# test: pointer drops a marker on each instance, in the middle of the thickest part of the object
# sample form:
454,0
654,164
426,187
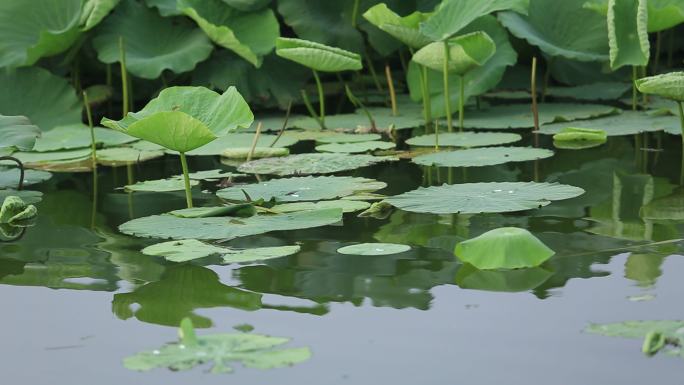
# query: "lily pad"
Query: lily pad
17,133
171,227
256,153
474,198
347,206
307,164
520,115
306,188
121,156
355,148
160,185
485,156
347,138
503,248
259,254
9,178
152,43
374,249
626,123
240,140
191,249
235,210
31,158
212,175
464,139
358,121
78,136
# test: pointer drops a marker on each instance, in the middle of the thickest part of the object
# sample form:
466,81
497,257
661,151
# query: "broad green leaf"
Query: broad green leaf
306,188
485,156
308,164
45,99
212,175
627,33
171,227
152,43
347,206
251,35
121,156
94,11
317,56
406,29
669,85
466,52
475,198
333,137
561,28
78,136
242,153
464,139
160,185
30,30
9,177
454,15
17,133
520,115
662,14
233,210
374,249
174,130
504,248
356,147
53,156
190,249
625,123
259,254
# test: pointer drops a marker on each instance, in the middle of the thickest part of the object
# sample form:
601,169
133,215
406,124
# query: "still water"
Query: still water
79,298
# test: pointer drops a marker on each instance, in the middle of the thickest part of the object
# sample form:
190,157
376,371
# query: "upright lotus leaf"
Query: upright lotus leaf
561,28
318,57
669,85
454,15
627,33
662,14
406,29
30,30
503,248
152,43
466,52
45,99
94,11
251,35
15,210
17,133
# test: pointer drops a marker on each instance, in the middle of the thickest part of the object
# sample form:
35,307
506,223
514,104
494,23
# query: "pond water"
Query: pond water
78,298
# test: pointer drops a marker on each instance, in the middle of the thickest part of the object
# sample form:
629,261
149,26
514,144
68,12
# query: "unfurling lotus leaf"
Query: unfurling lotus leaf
466,52
627,33
405,29
576,137
653,343
15,210
670,85
503,248
316,56
185,118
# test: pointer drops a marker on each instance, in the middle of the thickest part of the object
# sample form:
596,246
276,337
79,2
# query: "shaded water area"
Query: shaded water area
78,296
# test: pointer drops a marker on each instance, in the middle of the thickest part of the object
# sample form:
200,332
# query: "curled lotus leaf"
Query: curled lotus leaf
316,56
669,85
627,33
15,210
406,29
465,53
504,248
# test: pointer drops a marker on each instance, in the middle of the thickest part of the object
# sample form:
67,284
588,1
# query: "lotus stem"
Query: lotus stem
390,85
445,79
355,12
309,106
374,74
437,135
461,104
93,147
535,109
656,62
124,76
634,90
681,123
427,101
402,60
321,99
254,142
186,179
284,127
643,95
20,185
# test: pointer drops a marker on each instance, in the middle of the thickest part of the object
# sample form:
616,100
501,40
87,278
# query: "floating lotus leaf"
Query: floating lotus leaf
234,210
627,33
259,254
466,52
464,139
160,185
171,227
186,118
32,158
17,133
669,85
508,281
190,249
593,91
252,350
249,34
9,178
27,196
121,156
316,56
45,99
308,164
454,15
405,29
485,156
240,141
520,115
578,138
355,148
474,198
564,28
307,188
255,153
626,123
15,210
347,206
503,248
35,29
374,249
347,138
78,136
152,43
358,121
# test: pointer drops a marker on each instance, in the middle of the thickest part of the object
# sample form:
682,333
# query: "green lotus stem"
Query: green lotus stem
355,12
681,124
93,147
374,74
254,142
437,135
461,104
643,95
321,99
358,104
284,127
390,85
445,78
634,90
535,109
309,106
186,179
427,101
656,62
124,76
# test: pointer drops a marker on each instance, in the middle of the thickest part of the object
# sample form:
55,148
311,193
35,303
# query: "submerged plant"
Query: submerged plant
185,118
320,58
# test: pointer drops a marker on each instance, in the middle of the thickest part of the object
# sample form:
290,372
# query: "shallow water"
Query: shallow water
78,298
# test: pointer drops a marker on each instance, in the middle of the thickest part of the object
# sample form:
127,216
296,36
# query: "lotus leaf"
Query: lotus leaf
669,85
249,34
240,141
657,335
9,178
152,44
307,188
520,115
626,123
31,158
374,249
77,136
172,227
190,249
212,175
405,29
503,248
509,281
347,138
571,135
485,156
120,156
247,5
668,209
594,91
15,210
245,153
466,52
355,148
259,254
474,198
235,210
160,185
27,196
627,33
17,133
307,164
358,121
316,56
464,139
94,11
662,14
347,206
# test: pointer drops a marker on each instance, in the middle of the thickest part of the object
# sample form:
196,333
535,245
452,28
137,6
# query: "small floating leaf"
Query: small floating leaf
485,156
347,138
356,147
503,248
160,185
464,139
307,164
520,115
374,249
347,206
183,250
